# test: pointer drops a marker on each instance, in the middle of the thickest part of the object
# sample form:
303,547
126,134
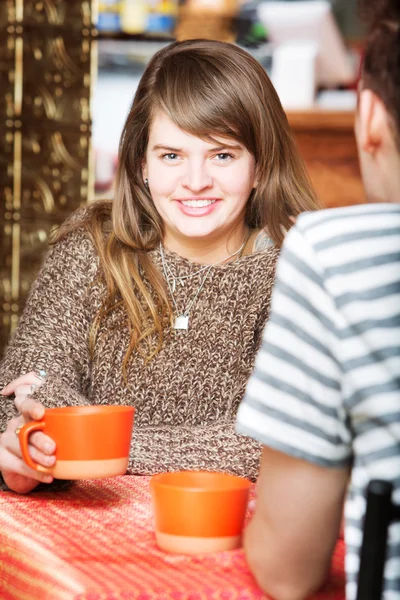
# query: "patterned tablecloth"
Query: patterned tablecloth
95,541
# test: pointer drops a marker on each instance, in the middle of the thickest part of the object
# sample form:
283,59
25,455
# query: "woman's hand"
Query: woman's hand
16,473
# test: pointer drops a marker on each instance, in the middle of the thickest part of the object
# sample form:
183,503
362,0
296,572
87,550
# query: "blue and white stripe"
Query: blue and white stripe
326,385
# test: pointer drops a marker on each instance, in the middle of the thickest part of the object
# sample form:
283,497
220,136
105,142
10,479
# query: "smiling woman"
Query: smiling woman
157,299
198,178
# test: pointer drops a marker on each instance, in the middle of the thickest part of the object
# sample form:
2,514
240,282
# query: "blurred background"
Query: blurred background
68,73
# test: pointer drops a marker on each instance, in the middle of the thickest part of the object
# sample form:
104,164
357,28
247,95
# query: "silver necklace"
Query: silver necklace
182,319
181,278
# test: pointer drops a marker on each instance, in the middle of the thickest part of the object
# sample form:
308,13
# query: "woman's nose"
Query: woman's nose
197,178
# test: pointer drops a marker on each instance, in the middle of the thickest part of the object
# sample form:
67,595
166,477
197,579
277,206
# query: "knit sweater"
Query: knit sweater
187,396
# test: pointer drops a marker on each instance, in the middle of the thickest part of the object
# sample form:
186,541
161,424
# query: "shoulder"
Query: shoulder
251,274
83,232
258,269
263,248
264,255
73,249
69,269
335,236
87,217
338,225
255,272
262,241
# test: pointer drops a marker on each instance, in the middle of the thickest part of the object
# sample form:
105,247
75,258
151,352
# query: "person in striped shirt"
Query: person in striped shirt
324,397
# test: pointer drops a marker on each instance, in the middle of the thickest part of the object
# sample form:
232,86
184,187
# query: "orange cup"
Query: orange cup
91,441
199,511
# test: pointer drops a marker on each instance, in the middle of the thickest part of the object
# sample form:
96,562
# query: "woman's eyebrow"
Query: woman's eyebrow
226,147
177,150
169,148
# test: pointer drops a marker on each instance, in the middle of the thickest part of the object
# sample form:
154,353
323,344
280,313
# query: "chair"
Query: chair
380,512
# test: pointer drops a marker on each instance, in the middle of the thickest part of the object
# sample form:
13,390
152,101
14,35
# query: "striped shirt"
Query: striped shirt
326,384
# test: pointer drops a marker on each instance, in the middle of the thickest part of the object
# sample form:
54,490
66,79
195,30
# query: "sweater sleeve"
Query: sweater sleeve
208,447
53,330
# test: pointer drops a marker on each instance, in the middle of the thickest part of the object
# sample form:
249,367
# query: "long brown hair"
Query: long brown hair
207,88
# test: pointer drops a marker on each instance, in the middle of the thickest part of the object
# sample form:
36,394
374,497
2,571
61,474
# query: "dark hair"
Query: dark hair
381,68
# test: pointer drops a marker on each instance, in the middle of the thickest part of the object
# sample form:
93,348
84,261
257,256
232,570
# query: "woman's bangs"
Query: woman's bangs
197,106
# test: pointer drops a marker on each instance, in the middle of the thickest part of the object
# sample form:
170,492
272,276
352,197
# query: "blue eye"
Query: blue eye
170,155
223,156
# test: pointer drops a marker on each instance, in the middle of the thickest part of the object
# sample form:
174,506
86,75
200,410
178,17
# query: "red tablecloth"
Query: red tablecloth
95,541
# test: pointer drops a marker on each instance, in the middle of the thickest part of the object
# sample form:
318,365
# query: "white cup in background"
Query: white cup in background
293,74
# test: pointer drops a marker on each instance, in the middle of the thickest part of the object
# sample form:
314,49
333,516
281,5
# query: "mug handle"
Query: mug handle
23,436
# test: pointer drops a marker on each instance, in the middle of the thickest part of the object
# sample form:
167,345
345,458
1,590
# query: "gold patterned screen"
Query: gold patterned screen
47,65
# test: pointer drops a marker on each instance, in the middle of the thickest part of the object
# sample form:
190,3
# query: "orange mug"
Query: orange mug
199,511
91,441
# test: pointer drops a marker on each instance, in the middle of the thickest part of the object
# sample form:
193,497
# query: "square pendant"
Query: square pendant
181,322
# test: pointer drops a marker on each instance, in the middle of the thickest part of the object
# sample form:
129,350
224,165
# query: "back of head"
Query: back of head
381,69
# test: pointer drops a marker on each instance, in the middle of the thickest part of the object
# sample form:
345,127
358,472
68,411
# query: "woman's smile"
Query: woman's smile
197,207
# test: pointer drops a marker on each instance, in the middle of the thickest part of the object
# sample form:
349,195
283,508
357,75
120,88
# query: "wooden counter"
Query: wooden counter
327,144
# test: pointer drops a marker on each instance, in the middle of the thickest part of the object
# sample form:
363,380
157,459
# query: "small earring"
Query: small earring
146,183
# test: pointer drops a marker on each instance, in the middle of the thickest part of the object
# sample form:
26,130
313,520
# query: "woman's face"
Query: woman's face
199,188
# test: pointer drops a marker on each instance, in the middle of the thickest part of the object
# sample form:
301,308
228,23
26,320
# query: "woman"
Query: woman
159,298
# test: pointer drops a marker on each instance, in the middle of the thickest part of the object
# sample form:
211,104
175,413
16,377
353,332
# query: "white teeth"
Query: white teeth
197,203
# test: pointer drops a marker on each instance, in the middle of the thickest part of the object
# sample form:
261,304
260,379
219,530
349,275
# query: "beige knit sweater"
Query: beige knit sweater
186,398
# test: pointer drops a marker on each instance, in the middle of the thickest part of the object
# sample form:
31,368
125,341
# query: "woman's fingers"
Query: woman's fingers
20,483
41,458
22,388
29,408
38,439
27,379
11,464
12,457
41,447
12,426
43,443
26,390
21,392
45,460
11,461
17,474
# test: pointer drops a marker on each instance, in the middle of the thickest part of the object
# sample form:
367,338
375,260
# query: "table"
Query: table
95,541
